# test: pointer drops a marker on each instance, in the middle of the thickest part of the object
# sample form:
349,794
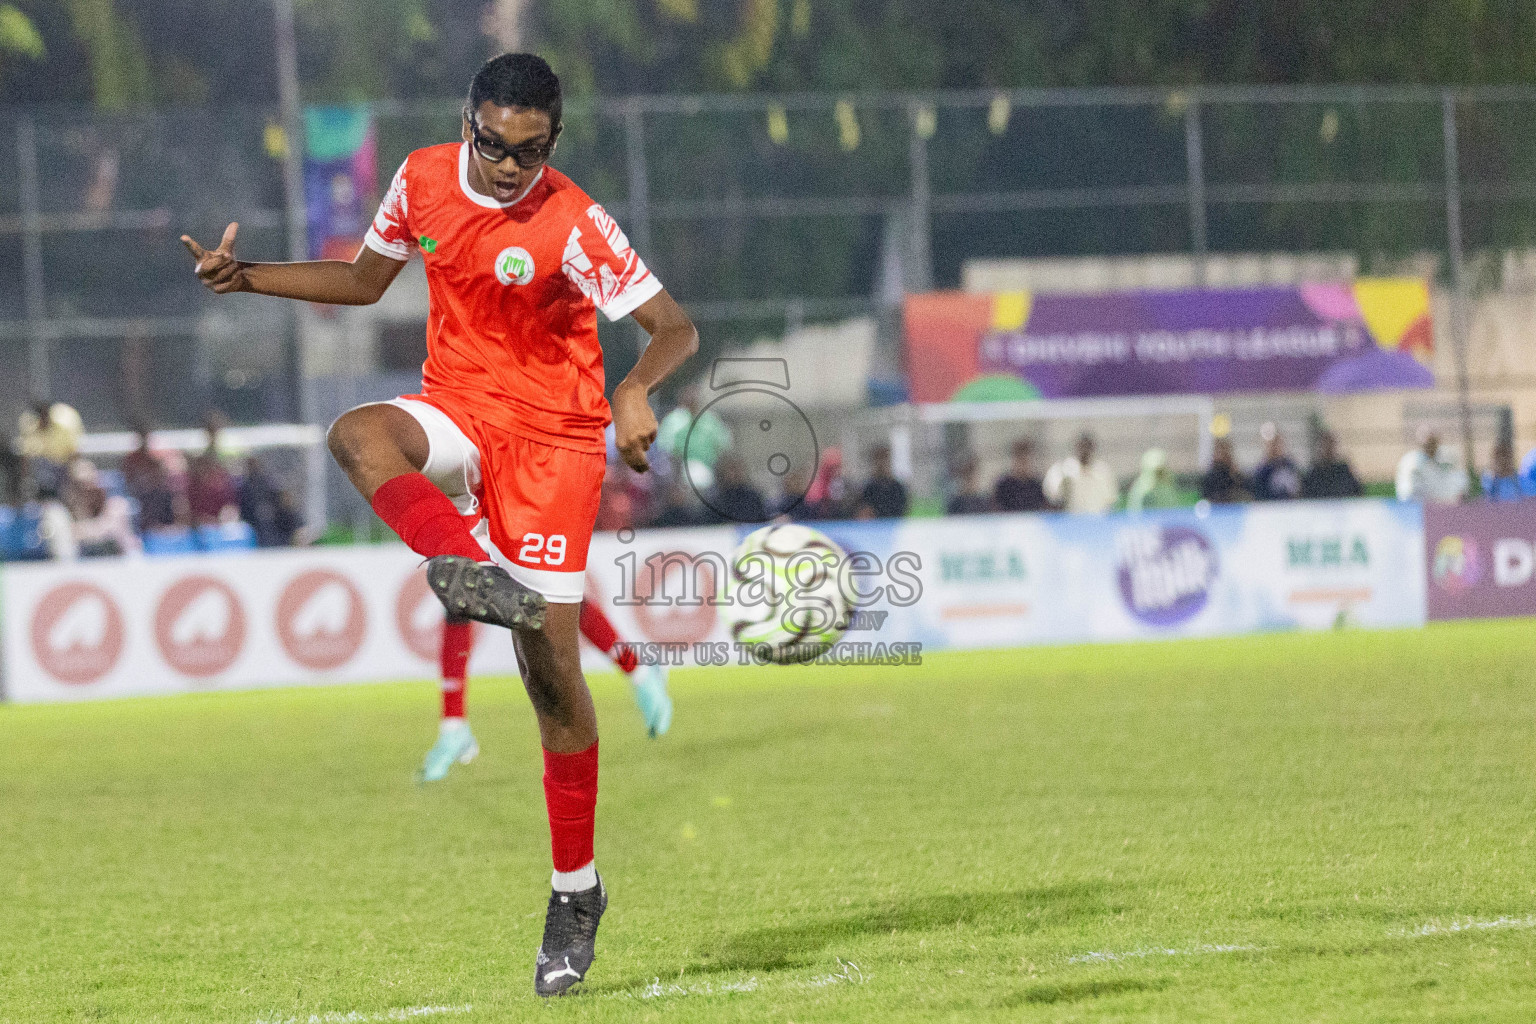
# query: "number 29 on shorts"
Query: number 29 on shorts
552,548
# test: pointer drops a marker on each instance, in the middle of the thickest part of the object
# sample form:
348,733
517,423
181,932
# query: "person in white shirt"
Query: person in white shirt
1082,484
1423,476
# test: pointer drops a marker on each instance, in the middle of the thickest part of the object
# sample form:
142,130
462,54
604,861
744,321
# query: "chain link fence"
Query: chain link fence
757,211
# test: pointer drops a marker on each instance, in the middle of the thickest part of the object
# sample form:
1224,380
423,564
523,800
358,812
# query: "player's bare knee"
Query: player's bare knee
345,440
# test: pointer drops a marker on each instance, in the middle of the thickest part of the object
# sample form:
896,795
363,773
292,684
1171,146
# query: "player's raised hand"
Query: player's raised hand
218,269
634,426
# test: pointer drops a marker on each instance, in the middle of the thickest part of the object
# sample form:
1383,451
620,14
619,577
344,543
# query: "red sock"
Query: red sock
570,794
458,641
424,518
597,629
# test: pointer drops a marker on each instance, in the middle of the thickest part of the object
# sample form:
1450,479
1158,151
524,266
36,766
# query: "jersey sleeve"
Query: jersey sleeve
600,263
390,233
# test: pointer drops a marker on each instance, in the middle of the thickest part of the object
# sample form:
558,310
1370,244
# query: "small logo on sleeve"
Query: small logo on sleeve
514,266
427,244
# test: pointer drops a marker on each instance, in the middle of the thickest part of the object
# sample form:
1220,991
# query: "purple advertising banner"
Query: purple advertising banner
1336,338
1481,559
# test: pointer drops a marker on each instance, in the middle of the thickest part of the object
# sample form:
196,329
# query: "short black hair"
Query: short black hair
517,80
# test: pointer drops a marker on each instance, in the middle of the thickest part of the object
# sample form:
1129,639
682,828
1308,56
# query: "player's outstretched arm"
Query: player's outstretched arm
673,340
359,283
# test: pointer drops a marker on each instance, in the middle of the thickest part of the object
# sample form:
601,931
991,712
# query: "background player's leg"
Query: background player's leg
458,643
648,682
455,740
382,449
599,632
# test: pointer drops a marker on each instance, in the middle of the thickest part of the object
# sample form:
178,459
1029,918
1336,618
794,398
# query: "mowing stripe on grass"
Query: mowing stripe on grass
356,1017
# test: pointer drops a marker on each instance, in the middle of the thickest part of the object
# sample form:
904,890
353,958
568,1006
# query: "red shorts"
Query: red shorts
535,503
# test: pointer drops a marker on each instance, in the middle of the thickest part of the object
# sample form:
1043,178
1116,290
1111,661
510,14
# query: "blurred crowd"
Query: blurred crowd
713,485
56,503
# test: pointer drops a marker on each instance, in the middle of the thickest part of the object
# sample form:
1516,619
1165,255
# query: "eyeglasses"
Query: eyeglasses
528,156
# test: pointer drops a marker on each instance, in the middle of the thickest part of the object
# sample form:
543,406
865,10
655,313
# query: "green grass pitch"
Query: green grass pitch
1323,827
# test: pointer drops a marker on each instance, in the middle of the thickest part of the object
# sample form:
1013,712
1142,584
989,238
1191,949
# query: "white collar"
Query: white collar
488,201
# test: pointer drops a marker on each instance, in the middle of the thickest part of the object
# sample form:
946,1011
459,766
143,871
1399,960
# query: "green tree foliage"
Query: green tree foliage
356,49
18,36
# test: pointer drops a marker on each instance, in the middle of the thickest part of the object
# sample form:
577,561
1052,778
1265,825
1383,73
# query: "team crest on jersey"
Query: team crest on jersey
514,266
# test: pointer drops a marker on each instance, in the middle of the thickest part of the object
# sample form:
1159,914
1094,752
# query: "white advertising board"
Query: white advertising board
120,627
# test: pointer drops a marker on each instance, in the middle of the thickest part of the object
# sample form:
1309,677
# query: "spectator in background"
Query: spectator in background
1277,478
1502,481
1154,488
1020,489
1223,483
1423,476
100,524
48,438
268,509
1083,483
678,507
703,434
965,498
1528,472
211,494
791,502
734,499
616,506
13,471
883,496
1329,476
148,482
828,496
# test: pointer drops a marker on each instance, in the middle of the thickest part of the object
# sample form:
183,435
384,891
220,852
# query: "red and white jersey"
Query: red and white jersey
513,294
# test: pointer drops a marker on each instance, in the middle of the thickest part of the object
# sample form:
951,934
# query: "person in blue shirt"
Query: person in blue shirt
1528,473
1503,481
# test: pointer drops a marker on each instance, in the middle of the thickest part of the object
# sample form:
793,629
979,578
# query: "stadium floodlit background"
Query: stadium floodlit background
1278,777
768,212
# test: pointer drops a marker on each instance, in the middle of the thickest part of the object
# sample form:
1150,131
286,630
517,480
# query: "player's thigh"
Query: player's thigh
439,450
540,504
376,437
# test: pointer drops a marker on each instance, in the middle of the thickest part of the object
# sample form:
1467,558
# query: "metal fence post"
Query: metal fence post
919,269
292,113
1454,241
32,258
639,205
1194,160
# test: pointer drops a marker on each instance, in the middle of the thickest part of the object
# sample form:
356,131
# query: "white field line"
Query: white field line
848,973
1468,925
358,1017
1422,931
1138,954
